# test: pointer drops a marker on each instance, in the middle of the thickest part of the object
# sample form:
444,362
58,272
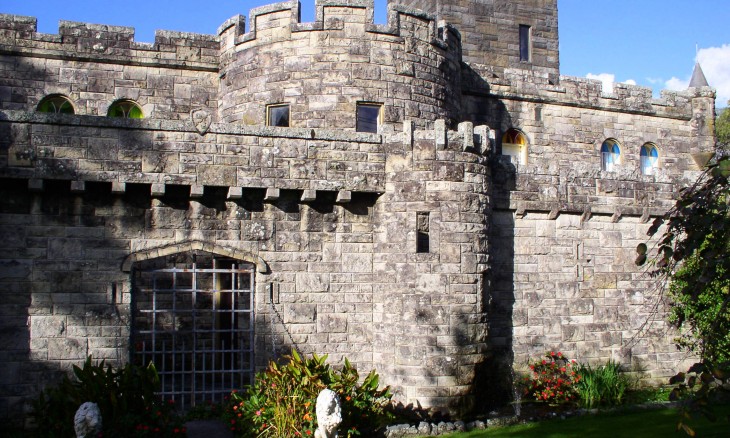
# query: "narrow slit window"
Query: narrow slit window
368,117
423,244
525,43
277,115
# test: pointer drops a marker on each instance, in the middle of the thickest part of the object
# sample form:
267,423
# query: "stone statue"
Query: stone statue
87,421
329,414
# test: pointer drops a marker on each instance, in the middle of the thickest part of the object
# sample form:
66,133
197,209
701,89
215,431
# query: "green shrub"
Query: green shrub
281,402
605,385
126,399
553,379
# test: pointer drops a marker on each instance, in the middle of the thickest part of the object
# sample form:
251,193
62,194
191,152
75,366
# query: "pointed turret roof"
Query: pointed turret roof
698,78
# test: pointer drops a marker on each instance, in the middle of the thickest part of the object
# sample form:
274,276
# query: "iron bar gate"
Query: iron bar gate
193,318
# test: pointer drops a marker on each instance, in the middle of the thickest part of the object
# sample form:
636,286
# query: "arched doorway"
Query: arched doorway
193,317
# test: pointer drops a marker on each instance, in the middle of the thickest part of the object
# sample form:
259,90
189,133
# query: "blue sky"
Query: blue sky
648,42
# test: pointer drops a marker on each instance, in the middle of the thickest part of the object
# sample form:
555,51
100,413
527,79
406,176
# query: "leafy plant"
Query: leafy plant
553,379
693,255
126,399
605,385
281,402
698,388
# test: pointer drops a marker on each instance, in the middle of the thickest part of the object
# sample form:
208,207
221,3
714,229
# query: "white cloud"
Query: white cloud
676,84
607,78
715,63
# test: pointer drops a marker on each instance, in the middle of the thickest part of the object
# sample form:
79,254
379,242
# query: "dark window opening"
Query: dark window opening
423,244
277,115
525,43
368,117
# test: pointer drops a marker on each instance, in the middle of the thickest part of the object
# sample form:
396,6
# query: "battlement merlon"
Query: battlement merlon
234,30
105,43
527,85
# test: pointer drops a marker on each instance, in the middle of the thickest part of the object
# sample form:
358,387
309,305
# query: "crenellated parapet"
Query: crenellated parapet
104,43
535,86
323,69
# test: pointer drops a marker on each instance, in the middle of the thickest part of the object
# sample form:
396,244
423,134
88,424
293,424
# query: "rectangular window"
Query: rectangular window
423,244
277,115
369,116
525,43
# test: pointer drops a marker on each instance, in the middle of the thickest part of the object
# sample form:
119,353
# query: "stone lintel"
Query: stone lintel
197,191
344,196
272,194
78,186
235,192
158,189
309,196
35,185
119,187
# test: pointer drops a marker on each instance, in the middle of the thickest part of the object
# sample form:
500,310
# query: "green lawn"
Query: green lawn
643,424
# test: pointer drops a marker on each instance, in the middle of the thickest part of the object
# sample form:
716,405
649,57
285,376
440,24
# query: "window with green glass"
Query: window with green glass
125,109
56,104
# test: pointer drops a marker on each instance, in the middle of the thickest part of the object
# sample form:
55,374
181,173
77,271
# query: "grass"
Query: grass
645,424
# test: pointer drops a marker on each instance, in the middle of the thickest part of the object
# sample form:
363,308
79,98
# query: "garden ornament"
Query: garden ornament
329,414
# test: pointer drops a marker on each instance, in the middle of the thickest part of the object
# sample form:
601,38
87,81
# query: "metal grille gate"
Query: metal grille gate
193,317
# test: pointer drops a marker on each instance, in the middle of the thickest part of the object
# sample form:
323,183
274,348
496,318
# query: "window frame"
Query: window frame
649,162
51,99
525,43
126,112
520,147
273,106
610,154
378,120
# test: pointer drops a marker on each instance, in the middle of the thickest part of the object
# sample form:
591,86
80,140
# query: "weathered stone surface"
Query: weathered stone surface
515,258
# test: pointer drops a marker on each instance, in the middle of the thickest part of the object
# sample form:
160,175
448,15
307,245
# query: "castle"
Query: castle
428,198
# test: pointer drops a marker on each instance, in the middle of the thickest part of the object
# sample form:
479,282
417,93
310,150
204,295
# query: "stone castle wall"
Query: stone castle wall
322,69
521,259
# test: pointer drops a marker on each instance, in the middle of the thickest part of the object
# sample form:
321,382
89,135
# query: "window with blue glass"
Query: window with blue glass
649,158
610,154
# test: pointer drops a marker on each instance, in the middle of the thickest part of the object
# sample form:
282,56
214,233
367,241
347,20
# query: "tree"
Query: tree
722,127
693,256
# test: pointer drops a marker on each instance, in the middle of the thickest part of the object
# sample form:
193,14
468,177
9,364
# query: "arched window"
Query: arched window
56,104
649,158
514,145
610,154
126,109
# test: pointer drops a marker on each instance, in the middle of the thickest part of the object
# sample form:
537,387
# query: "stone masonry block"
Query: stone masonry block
300,313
